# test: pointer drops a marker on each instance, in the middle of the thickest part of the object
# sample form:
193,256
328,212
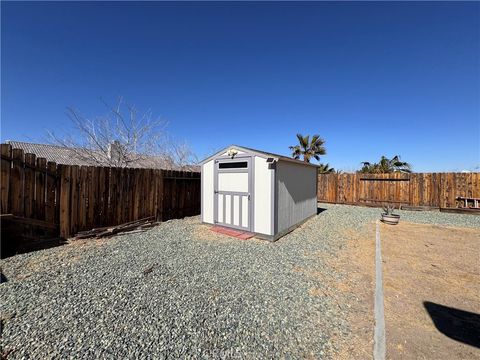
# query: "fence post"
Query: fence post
6,151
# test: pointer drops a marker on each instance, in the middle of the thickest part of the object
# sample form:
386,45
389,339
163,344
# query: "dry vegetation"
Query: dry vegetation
434,264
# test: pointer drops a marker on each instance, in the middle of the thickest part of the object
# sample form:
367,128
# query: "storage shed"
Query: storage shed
257,191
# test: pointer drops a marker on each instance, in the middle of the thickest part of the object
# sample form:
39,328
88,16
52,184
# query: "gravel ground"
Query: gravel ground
182,291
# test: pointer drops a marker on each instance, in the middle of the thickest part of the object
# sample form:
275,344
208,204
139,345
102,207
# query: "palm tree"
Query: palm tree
308,148
386,165
325,169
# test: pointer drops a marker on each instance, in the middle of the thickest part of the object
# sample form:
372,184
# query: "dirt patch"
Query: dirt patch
352,292
431,275
357,290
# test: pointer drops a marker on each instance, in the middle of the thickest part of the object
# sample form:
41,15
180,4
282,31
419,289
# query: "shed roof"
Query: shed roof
261,153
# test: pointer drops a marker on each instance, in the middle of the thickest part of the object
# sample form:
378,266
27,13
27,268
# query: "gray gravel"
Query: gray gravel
433,217
179,290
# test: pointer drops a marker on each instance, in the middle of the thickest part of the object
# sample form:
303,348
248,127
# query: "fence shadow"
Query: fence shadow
19,236
21,246
459,325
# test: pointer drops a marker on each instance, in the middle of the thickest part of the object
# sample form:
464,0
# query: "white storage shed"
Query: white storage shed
257,191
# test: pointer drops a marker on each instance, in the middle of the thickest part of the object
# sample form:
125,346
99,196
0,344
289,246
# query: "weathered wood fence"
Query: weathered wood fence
417,189
76,198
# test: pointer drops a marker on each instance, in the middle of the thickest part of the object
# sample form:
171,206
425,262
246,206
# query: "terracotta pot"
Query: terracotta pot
391,219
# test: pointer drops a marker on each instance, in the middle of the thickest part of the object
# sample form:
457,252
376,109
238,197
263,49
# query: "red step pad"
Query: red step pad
243,235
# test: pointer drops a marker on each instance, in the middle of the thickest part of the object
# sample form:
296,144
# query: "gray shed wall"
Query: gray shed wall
296,187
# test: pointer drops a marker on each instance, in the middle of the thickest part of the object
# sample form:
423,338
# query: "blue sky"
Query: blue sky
371,78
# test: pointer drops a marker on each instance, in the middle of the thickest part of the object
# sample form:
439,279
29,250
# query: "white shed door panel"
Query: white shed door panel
236,182
245,210
221,199
232,196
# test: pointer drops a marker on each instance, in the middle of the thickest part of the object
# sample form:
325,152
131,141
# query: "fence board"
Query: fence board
82,197
29,189
6,164
40,177
90,219
161,194
51,192
64,200
16,183
418,189
74,195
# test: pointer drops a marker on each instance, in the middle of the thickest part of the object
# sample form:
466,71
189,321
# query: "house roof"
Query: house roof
68,156
260,153
57,154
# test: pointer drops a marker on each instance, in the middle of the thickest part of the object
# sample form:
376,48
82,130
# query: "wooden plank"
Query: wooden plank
57,196
82,198
51,188
151,193
181,195
132,194
29,189
144,173
136,195
476,185
74,196
461,211
124,196
113,196
160,195
469,185
91,180
167,201
100,198
64,171
121,179
16,183
106,196
174,192
40,188
5,167
96,197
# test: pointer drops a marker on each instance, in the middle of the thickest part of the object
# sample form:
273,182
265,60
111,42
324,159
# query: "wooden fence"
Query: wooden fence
76,198
418,189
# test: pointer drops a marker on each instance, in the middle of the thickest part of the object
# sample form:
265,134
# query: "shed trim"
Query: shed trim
262,154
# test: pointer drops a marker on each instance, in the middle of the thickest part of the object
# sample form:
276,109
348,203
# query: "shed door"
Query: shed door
232,193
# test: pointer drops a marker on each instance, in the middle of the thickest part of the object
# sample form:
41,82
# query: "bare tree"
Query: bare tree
123,137
181,154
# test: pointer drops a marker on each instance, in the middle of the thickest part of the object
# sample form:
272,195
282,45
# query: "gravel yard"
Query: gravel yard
180,290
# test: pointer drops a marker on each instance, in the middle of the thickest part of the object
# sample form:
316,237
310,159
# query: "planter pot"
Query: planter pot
391,219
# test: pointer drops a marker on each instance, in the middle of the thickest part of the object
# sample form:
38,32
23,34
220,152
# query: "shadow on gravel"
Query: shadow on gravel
21,245
459,325
320,210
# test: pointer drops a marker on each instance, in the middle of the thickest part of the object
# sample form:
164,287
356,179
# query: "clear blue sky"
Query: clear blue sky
371,78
